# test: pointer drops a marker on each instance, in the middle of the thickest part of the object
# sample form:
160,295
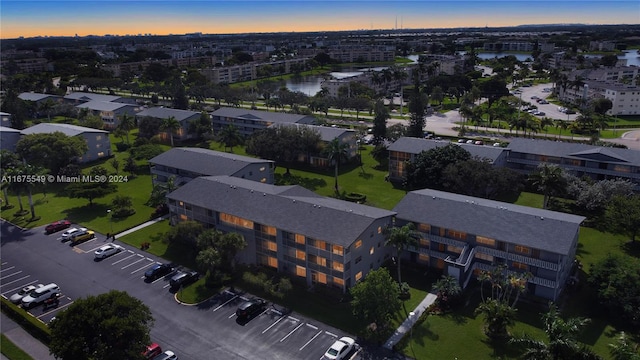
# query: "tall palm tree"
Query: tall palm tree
562,342
31,170
230,137
401,238
47,106
550,180
127,122
336,151
544,122
170,125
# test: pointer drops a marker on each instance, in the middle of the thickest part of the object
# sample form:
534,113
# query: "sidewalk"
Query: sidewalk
24,340
410,321
143,225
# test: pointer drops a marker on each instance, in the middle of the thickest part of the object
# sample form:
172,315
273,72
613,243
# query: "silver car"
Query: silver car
17,297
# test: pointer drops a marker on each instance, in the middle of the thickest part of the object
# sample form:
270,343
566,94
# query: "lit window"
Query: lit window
269,230
322,278
423,257
263,180
235,220
379,229
484,256
485,241
262,168
372,250
100,154
301,271
425,228
424,242
522,249
358,243
301,255
338,266
338,250
183,217
338,281
359,276
320,244
181,203
273,262
300,239
270,245
519,265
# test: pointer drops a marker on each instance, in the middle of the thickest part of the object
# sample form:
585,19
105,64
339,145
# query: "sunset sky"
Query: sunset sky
29,18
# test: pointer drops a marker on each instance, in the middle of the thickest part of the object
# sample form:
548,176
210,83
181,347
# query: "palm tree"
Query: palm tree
336,151
447,289
47,106
550,180
401,238
230,137
562,342
36,171
170,125
624,349
127,122
563,125
498,317
544,122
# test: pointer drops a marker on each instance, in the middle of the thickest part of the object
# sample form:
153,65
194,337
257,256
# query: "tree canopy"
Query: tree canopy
376,298
52,151
108,326
427,168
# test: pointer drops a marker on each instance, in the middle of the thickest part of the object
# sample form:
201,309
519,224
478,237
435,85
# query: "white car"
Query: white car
340,349
17,297
67,235
108,250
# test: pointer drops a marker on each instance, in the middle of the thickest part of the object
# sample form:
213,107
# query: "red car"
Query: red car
151,350
57,226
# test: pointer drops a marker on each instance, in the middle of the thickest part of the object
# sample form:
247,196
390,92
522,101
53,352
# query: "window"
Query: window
425,228
301,255
454,249
522,249
320,244
338,250
300,239
358,243
338,266
423,257
270,245
519,265
301,271
484,256
372,250
358,259
424,242
359,276
456,235
269,230
237,221
485,241
338,281
379,229
322,278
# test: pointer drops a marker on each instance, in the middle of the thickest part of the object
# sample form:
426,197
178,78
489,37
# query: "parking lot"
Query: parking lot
203,331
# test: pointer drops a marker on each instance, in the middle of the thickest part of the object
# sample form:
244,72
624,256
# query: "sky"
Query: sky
28,18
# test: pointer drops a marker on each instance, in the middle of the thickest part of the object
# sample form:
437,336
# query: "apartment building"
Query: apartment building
39,98
328,134
249,121
81,97
184,117
185,164
625,99
110,112
406,149
97,140
463,235
289,228
9,137
596,162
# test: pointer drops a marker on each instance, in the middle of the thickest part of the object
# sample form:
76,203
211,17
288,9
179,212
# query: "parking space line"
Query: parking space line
132,255
144,267
309,342
232,315
225,303
294,319
166,286
331,334
133,263
156,280
312,326
9,268
272,325
20,287
4,263
291,332
54,310
95,248
16,273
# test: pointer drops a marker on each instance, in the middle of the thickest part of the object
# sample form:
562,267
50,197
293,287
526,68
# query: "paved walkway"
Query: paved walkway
410,321
143,225
24,340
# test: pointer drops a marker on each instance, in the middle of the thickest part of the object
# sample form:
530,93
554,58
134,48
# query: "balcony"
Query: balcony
519,258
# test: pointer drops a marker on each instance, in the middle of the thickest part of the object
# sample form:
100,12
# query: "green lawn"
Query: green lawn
11,351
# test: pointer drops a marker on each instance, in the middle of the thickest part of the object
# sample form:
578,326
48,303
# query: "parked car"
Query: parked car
167,355
340,349
82,236
17,297
569,111
469,141
57,226
251,307
69,233
157,271
107,250
479,142
183,278
152,350
461,141
39,295
539,113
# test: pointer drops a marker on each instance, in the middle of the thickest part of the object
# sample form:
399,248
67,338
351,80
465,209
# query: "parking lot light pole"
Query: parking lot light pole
110,220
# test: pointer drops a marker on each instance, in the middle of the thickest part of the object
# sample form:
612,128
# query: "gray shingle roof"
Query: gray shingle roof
575,151
67,129
416,146
205,161
290,208
9,130
536,228
327,133
86,96
103,105
30,96
165,113
266,116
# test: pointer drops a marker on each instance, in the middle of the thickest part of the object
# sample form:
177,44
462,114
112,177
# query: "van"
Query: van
40,295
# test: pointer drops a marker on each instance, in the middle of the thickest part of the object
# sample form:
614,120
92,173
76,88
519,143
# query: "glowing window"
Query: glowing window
359,276
358,243
301,255
301,271
338,281
372,250
338,266
337,249
300,239
519,265
522,249
485,241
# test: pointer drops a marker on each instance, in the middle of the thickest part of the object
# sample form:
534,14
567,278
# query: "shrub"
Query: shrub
122,147
355,197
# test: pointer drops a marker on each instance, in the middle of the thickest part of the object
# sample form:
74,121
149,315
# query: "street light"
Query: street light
411,316
110,220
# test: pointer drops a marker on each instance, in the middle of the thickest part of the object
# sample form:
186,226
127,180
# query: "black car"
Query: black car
250,308
183,278
157,271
